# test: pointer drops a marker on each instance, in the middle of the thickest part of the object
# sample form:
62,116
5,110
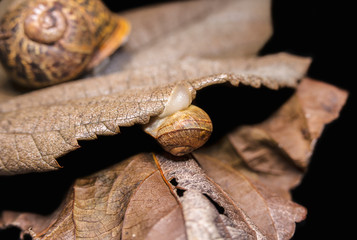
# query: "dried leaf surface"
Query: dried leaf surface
214,194
136,199
273,71
293,130
34,132
270,211
198,28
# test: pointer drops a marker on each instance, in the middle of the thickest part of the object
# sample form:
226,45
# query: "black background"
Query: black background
318,29
322,30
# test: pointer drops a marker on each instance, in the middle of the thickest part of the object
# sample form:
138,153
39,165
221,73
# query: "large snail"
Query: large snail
181,128
44,42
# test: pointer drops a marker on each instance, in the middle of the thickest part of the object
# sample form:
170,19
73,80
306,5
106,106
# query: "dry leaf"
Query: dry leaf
201,29
136,199
218,194
34,132
293,130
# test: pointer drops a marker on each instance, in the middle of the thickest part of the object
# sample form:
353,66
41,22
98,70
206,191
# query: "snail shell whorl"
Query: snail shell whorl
183,131
45,25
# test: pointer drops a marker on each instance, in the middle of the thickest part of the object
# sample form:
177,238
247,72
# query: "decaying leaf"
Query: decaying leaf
135,199
34,132
215,194
294,128
207,29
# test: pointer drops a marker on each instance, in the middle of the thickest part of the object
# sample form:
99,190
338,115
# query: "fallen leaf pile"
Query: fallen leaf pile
236,187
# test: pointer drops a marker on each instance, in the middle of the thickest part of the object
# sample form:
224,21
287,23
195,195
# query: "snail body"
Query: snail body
183,131
44,42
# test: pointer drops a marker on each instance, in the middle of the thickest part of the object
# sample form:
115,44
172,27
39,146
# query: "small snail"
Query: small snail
44,42
181,127
183,131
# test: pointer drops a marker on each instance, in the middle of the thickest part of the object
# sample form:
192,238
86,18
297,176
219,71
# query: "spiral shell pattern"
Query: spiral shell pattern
45,25
181,132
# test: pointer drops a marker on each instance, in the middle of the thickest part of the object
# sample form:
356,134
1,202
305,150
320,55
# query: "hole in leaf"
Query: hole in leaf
174,182
180,192
219,208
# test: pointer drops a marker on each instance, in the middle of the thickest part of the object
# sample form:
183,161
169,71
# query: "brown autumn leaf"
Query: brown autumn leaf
34,132
134,199
194,28
38,127
215,194
298,140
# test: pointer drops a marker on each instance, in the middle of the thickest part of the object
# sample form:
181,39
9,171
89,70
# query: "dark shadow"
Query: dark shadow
230,107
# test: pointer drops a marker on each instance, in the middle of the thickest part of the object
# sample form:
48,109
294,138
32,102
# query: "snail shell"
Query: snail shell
183,131
44,42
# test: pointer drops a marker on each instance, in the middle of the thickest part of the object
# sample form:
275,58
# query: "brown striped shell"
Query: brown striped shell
44,42
183,131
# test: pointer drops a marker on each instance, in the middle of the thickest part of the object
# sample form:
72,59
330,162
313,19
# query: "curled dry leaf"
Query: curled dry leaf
293,130
218,193
35,131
